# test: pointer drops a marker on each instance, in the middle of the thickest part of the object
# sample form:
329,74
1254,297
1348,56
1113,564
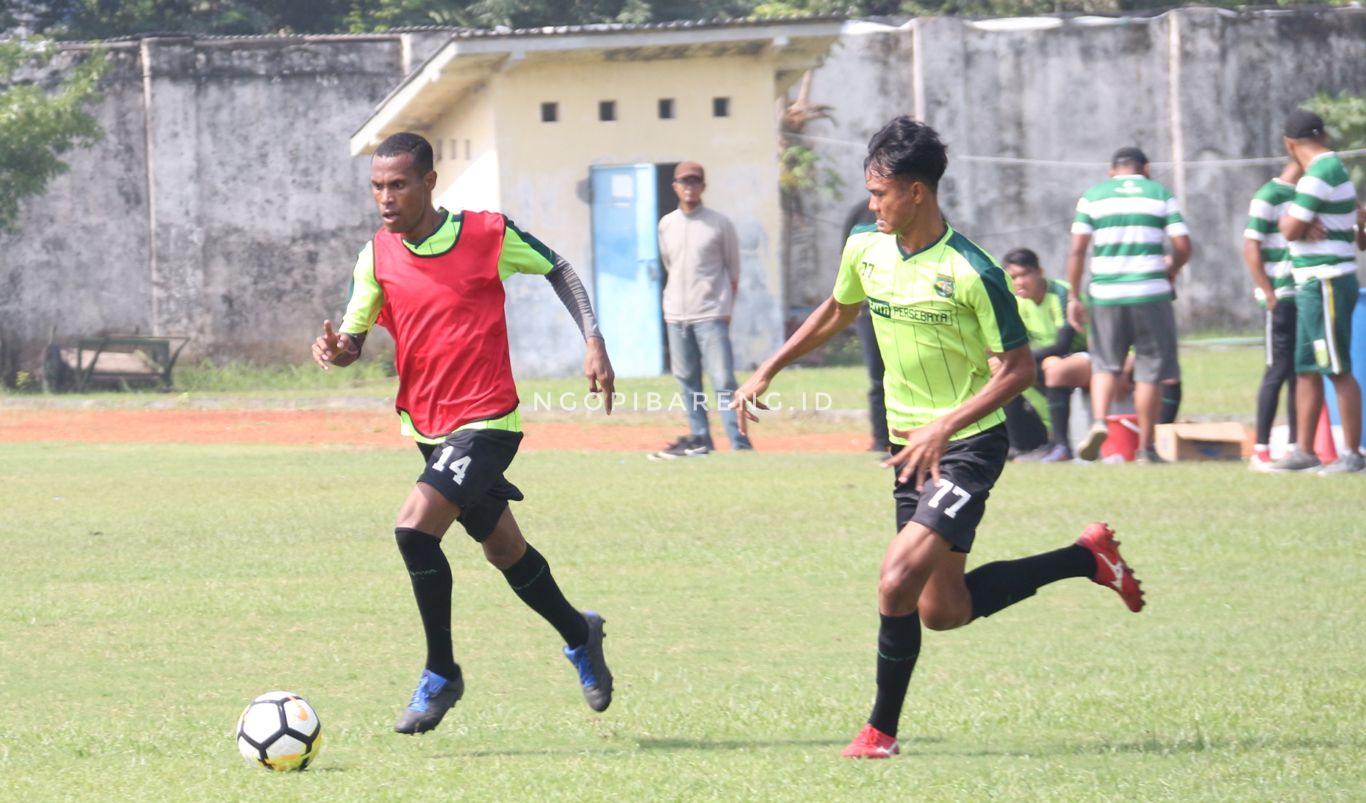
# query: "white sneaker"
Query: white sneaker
1348,463
1089,449
1296,460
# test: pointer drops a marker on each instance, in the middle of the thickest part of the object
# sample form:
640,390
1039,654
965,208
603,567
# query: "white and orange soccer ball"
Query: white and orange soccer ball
279,731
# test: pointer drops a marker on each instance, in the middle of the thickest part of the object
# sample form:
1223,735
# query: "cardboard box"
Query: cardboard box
1221,440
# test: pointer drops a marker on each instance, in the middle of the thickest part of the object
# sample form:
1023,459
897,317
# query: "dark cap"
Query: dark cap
1303,124
686,169
1129,154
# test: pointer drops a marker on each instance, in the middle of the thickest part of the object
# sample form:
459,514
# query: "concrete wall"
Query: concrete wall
1194,86
467,163
222,202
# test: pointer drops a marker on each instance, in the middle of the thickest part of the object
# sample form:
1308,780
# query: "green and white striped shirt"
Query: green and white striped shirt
1263,216
1325,192
1126,217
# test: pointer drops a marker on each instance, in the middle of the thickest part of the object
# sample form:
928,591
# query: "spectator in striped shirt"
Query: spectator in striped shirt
1268,261
1126,219
1326,288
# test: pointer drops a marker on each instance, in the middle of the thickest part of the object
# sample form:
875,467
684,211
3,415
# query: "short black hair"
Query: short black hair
907,149
1129,156
406,142
1023,257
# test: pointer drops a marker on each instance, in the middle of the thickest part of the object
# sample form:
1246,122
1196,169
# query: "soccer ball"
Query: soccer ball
279,731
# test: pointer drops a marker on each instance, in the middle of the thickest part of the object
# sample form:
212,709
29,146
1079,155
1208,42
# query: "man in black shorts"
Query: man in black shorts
941,309
434,279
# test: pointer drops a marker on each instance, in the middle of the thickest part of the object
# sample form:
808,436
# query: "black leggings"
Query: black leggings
1280,370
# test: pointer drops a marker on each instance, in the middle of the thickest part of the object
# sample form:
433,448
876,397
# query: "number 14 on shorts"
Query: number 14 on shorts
946,488
459,467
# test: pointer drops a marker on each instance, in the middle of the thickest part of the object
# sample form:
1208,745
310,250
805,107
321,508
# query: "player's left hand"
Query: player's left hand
1317,232
920,456
597,367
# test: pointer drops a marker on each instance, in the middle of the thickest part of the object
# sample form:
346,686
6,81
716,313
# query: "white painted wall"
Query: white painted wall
545,172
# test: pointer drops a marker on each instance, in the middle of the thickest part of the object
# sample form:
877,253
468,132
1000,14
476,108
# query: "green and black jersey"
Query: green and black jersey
936,313
1043,320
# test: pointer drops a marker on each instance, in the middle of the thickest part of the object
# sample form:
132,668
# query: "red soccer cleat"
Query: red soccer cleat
1111,570
871,743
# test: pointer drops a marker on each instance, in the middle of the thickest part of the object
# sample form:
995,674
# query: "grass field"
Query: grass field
151,591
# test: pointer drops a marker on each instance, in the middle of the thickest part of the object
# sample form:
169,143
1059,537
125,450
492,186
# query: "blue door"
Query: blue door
626,272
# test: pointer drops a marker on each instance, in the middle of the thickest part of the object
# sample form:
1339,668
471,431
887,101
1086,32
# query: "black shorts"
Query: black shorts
467,468
953,508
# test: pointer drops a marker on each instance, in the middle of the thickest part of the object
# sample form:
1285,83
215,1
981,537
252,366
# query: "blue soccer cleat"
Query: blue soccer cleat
594,676
433,697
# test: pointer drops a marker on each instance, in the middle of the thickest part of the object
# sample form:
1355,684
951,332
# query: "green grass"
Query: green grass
151,591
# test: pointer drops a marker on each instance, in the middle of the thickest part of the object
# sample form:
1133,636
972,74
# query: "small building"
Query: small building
574,132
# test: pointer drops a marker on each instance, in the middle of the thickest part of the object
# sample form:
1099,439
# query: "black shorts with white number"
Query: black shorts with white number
953,508
467,468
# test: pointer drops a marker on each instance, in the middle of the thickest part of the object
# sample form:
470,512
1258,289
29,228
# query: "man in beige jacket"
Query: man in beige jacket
701,257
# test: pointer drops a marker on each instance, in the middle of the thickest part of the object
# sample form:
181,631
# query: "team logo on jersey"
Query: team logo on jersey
943,286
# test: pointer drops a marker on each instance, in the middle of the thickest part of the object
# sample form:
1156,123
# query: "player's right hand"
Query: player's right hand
1076,314
919,459
327,347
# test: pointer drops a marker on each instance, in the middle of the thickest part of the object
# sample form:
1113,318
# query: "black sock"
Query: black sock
999,585
898,647
530,578
1171,402
431,576
1059,413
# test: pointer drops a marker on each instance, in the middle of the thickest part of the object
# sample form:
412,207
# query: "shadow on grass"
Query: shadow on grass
665,744
734,744
1160,747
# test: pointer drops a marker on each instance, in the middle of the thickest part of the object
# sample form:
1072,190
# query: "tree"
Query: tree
39,123
1345,117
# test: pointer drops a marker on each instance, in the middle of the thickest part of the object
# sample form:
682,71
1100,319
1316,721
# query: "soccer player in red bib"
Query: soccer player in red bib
434,279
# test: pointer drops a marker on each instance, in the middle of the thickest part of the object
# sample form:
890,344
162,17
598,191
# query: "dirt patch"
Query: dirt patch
364,428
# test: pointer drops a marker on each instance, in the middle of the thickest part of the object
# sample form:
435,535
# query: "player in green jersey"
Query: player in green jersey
1268,262
1059,351
1122,222
943,315
1325,291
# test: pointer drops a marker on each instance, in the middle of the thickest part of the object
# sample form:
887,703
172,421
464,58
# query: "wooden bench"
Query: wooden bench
124,360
